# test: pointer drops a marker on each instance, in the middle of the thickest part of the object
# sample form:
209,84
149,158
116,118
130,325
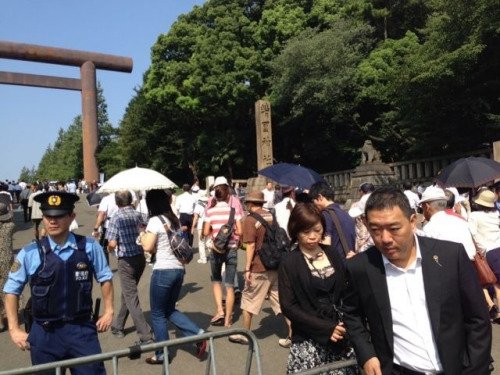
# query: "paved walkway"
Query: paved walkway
196,301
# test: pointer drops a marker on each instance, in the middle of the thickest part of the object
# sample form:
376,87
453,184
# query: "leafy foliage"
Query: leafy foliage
416,77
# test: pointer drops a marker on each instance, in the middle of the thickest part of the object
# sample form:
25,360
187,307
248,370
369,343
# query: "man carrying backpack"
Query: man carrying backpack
259,281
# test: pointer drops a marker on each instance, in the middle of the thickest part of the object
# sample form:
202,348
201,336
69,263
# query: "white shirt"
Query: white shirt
414,344
413,198
443,226
71,187
199,209
185,203
269,197
484,227
165,258
109,206
283,213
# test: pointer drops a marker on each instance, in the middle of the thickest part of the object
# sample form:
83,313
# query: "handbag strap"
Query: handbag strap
230,222
336,221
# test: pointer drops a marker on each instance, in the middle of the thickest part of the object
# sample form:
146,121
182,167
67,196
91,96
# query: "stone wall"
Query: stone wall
418,172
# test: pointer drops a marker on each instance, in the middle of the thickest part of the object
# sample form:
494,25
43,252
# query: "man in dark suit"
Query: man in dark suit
414,305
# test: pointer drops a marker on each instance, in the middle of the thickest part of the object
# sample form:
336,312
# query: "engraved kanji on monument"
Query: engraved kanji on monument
264,134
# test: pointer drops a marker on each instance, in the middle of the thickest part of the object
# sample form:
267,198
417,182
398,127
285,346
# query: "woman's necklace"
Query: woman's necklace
314,256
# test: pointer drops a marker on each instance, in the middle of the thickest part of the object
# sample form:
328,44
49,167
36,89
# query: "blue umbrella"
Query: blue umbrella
292,175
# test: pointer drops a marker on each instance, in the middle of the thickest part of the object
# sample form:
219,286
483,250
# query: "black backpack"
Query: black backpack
275,245
221,241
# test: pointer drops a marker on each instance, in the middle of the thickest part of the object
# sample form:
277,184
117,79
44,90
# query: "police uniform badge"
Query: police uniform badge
82,272
16,266
54,200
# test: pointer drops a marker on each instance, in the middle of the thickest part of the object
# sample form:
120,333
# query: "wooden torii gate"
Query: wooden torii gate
88,63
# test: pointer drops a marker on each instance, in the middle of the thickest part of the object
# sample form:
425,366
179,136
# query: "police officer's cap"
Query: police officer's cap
56,203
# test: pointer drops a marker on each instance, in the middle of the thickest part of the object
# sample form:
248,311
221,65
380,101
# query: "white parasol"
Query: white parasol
136,179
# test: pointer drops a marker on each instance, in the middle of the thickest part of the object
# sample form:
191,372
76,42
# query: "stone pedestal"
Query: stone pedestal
256,183
377,173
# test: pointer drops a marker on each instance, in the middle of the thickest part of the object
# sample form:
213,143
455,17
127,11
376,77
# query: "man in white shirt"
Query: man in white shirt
184,205
269,196
441,225
285,207
107,208
414,304
412,197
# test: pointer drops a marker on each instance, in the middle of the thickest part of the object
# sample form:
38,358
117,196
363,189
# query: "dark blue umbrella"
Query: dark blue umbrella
469,172
94,199
292,175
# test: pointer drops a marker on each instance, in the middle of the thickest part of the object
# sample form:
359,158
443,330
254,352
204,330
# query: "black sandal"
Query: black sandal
218,320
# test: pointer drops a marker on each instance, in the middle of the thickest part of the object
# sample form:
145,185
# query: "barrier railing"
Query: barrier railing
332,366
253,349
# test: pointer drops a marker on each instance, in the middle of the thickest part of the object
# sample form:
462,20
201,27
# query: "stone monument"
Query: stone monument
371,169
264,142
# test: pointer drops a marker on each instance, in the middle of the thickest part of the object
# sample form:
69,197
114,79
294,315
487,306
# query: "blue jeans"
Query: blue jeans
216,262
164,292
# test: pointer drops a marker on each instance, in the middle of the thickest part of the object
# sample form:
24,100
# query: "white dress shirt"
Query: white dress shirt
269,197
282,213
443,226
414,344
413,198
185,203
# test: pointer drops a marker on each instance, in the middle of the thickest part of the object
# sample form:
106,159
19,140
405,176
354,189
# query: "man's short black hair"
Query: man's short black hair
388,197
321,188
450,199
407,185
367,187
186,187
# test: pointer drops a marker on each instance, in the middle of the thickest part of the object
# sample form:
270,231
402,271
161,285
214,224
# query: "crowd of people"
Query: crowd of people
389,282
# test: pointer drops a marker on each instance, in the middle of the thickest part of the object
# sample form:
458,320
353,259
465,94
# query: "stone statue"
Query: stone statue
369,154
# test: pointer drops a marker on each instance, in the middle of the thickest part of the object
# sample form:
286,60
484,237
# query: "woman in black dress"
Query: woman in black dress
311,281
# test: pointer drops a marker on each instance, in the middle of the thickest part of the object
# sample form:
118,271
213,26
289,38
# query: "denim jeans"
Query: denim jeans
230,259
164,292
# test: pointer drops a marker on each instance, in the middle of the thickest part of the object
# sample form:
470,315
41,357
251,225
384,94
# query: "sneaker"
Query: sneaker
145,342
285,343
201,348
202,261
238,339
117,332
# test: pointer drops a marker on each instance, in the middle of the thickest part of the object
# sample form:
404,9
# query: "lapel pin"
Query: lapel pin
436,259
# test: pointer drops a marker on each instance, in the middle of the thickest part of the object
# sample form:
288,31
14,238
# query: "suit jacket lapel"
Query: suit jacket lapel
378,284
432,272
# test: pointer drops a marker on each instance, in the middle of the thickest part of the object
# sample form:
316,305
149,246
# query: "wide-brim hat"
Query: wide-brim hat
286,189
255,197
4,212
432,193
486,198
56,203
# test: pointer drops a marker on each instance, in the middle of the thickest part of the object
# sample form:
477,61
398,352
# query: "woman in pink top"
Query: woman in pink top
216,216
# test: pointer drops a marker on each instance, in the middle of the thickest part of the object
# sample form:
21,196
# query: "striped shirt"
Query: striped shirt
217,216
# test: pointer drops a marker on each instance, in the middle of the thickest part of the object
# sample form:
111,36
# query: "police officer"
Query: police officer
59,269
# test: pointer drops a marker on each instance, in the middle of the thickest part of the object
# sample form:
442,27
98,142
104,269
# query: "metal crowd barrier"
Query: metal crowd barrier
331,366
60,366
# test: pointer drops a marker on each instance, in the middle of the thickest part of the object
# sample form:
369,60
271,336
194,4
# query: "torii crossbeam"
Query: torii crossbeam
88,63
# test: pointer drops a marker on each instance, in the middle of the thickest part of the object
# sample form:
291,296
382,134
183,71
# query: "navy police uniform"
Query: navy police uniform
60,279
